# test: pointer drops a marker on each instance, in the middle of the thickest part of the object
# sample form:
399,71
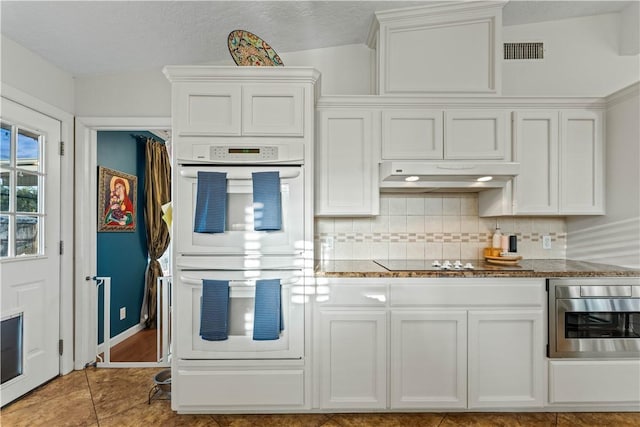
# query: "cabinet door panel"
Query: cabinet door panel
505,359
594,381
272,110
345,175
581,154
475,134
428,359
353,359
457,54
207,109
412,134
536,148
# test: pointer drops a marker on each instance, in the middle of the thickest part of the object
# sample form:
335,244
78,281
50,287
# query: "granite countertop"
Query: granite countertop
541,268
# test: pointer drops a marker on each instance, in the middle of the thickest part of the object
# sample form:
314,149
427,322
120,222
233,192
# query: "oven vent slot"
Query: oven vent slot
524,50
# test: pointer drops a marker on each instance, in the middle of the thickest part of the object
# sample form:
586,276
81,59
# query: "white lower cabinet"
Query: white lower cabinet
506,358
219,389
428,359
445,343
594,382
460,359
353,358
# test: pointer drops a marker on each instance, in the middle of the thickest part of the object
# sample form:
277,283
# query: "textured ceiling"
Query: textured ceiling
96,37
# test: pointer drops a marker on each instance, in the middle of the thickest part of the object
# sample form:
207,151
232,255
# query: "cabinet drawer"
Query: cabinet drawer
240,388
469,293
352,295
594,381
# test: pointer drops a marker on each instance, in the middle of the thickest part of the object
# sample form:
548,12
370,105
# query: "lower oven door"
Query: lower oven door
240,343
597,327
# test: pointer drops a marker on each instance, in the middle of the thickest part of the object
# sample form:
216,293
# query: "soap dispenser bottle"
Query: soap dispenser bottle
497,238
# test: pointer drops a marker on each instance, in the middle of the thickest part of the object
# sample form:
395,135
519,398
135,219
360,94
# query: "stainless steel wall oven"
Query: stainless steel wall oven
594,317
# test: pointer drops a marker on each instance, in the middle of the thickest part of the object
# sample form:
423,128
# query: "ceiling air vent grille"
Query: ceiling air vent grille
523,51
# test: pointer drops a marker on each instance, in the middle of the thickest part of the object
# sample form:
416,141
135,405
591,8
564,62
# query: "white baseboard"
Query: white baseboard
122,336
615,243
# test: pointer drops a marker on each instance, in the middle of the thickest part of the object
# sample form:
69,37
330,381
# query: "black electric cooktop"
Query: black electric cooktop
428,265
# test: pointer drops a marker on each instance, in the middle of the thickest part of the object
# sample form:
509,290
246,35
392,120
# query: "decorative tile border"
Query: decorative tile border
431,237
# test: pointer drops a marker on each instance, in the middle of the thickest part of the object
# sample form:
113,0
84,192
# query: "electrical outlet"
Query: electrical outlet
546,242
123,313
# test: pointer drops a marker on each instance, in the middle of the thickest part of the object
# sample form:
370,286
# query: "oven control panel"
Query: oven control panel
243,154
285,153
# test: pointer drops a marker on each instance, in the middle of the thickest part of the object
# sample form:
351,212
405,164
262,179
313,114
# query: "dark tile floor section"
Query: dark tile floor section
119,398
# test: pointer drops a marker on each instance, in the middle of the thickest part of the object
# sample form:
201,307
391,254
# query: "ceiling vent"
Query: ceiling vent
528,50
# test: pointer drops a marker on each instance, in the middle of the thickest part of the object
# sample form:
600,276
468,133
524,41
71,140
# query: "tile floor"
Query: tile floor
119,397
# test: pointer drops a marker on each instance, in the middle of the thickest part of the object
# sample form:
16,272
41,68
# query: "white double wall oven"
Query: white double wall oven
240,254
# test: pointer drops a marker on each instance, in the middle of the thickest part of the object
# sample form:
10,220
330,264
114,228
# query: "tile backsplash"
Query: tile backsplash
432,226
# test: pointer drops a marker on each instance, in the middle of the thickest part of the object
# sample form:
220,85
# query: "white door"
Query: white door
29,247
428,359
353,359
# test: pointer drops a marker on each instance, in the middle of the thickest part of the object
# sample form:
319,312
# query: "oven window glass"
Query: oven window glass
602,325
239,215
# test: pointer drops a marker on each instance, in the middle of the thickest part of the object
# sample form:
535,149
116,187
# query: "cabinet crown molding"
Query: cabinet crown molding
191,73
391,102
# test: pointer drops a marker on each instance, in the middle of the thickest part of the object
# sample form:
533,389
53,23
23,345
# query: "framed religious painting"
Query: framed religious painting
116,200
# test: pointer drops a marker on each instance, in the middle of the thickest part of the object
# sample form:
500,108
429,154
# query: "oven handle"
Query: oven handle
237,283
240,175
196,267
612,305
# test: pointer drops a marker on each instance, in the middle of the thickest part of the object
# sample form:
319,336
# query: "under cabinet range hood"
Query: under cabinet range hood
445,176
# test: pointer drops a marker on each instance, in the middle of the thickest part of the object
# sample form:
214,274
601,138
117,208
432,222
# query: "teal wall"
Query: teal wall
123,255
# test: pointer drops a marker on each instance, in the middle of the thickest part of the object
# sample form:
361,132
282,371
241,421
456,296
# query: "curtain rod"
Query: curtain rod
144,138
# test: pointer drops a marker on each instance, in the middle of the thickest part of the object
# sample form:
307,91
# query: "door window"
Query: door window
21,192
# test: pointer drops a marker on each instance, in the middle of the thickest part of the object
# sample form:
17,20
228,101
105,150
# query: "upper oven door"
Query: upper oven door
597,327
239,236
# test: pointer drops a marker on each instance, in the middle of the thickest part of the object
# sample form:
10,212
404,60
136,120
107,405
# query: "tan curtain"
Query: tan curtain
157,190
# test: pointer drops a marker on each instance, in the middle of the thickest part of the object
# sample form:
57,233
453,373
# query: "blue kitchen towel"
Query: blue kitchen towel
267,316
214,310
267,204
211,202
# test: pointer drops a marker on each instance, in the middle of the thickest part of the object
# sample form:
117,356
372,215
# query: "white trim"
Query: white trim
189,73
454,101
66,362
86,228
623,94
122,336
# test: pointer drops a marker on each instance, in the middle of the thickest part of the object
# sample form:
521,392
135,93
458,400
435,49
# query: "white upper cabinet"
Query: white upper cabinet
442,48
452,134
412,134
561,166
215,101
475,134
207,109
346,163
581,162
272,110
536,148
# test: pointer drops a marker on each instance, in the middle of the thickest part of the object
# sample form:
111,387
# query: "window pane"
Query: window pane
4,191
4,235
27,152
27,192
26,235
5,145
